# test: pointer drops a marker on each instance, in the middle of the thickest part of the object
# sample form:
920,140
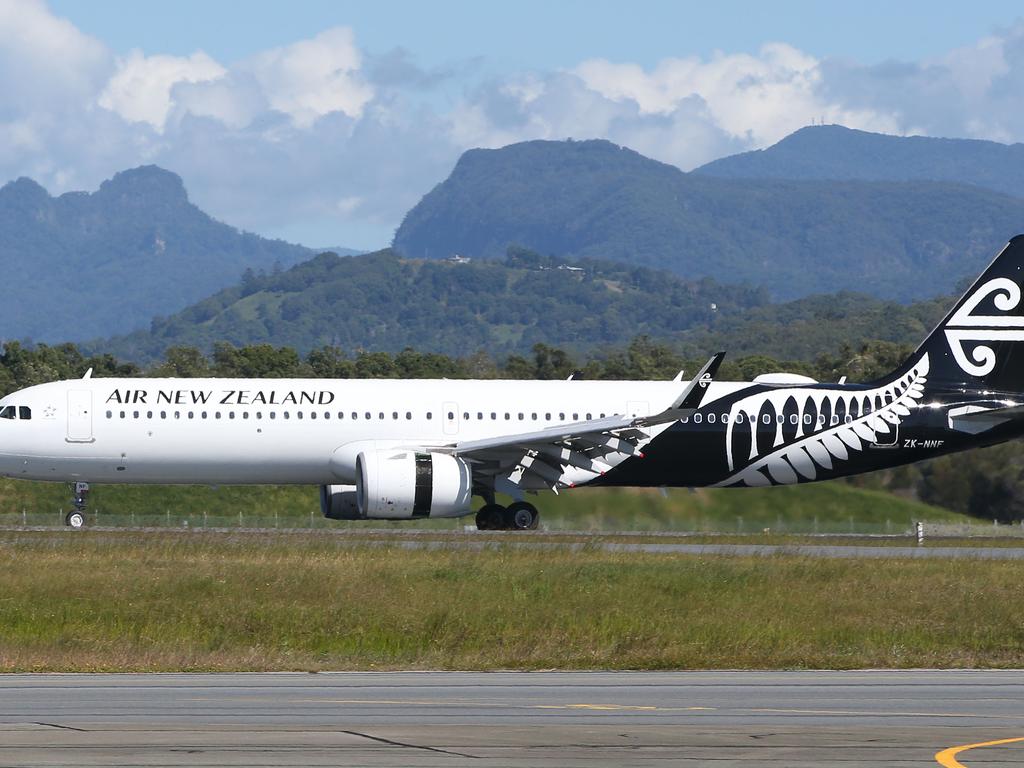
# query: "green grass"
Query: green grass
131,601
826,507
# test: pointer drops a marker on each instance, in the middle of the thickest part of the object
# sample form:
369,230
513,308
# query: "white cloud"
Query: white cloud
312,78
140,90
756,98
319,133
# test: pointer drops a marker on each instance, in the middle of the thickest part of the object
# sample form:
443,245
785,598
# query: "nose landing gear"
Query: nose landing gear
76,517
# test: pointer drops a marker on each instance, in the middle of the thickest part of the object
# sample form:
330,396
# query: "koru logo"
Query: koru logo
965,326
705,380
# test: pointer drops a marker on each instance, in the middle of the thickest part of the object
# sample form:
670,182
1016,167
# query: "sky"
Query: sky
323,122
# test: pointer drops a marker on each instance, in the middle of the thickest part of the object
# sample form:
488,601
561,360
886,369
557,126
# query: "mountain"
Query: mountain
592,199
83,265
835,152
382,302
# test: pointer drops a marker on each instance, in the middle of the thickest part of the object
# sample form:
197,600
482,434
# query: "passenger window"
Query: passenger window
354,416
286,415
298,414
479,416
203,414
711,418
767,419
312,414
7,412
429,415
575,417
725,418
368,415
191,415
149,414
465,416
533,416
520,417
547,417
177,414
451,416
273,414
135,414
12,415
561,417
231,414
381,415
245,414
259,414
589,417
508,416
163,414
697,418
394,415
24,412
807,418
793,418
327,415
110,414
216,414
408,415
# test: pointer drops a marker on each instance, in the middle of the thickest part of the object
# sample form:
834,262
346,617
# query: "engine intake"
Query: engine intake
338,502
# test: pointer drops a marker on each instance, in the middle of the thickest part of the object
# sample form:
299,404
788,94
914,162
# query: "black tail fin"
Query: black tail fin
980,343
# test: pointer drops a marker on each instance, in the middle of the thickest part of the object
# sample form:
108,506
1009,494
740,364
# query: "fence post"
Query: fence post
920,532
204,519
168,517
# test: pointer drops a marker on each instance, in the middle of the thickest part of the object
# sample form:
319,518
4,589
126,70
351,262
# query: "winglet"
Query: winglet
691,397
698,386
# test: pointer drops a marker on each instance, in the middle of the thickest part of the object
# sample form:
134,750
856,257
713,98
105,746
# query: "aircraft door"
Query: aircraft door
450,415
79,416
636,408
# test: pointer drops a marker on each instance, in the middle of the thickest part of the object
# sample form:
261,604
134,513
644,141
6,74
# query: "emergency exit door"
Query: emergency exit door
79,416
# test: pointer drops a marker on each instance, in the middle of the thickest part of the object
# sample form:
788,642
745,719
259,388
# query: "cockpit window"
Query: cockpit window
7,412
24,412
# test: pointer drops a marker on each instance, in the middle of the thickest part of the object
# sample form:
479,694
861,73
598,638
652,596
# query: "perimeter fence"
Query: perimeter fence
200,520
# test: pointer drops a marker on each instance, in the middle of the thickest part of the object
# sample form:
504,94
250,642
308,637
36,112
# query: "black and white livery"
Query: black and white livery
390,449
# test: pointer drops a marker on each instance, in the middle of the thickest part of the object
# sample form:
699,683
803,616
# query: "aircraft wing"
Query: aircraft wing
571,454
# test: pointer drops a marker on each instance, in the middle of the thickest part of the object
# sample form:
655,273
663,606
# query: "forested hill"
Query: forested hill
82,265
382,302
593,199
835,152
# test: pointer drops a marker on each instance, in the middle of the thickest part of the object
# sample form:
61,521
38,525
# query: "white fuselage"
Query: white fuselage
305,431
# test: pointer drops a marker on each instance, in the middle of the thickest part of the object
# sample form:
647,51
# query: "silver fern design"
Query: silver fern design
815,428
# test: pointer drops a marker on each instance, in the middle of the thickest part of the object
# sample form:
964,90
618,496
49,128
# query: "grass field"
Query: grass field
175,601
825,507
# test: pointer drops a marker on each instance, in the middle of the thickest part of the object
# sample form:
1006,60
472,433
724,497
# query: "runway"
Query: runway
722,719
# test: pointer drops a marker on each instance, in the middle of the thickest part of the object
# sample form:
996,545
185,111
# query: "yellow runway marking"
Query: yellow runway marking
947,757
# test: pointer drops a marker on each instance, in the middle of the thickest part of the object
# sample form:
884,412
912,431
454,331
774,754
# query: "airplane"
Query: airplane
400,450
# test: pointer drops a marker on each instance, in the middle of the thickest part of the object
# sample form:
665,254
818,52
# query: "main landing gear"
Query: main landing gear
76,517
518,516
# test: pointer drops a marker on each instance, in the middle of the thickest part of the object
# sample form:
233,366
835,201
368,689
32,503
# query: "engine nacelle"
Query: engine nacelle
338,502
401,485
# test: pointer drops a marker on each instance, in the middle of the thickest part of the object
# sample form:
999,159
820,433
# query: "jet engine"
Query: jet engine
401,485
338,502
